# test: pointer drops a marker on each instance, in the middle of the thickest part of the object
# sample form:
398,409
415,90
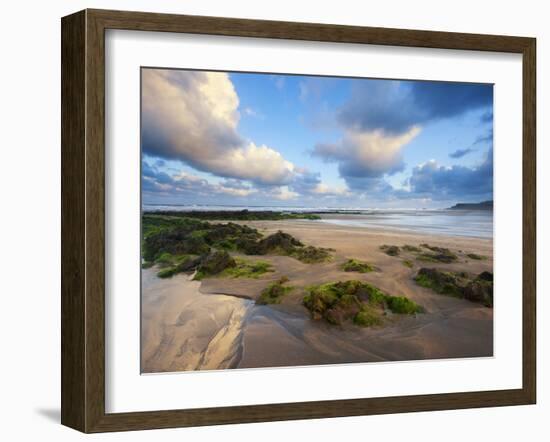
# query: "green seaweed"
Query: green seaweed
367,318
274,292
167,272
166,234
476,256
360,302
403,305
458,284
437,254
247,269
390,250
214,263
409,248
355,265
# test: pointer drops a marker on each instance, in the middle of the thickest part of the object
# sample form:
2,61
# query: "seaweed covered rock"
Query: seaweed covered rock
177,241
215,262
310,254
247,269
177,264
481,291
390,250
485,276
274,293
476,257
458,284
248,245
355,265
412,249
177,235
360,302
279,242
442,282
439,254
229,233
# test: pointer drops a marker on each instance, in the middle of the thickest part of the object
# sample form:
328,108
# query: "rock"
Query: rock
279,241
446,283
390,250
480,291
248,245
355,301
485,276
188,265
310,254
192,246
458,284
440,254
339,315
215,262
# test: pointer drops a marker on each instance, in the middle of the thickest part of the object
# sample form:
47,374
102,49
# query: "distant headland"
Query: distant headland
484,205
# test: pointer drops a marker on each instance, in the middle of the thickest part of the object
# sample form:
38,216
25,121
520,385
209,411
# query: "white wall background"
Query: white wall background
30,218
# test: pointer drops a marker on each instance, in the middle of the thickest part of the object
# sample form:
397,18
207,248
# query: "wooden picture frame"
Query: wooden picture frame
83,220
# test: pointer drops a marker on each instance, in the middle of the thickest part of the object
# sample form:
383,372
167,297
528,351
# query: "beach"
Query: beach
216,324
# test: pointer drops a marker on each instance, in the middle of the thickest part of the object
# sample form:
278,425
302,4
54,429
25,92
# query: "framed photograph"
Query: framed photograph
268,220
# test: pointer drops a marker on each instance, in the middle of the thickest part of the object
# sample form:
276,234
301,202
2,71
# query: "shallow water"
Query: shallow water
470,223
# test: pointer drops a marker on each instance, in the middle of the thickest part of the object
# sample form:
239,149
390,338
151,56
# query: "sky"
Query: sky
249,139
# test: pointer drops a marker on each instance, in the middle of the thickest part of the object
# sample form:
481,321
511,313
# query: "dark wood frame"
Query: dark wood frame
83,217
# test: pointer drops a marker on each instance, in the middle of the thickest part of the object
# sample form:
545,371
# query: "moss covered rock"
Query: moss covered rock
311,255
390,250
355,301
355,265
459,284
274,292
215,262
476,257
278,242
481,291
437,254
446,283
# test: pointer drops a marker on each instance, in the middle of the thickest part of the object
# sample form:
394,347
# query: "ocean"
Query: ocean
470,223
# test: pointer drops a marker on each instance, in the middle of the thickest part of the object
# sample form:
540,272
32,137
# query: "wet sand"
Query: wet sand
214,324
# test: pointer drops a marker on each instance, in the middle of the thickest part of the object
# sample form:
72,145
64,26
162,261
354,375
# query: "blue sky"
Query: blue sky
262,139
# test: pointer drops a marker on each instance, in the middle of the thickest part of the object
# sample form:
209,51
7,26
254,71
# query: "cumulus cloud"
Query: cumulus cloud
382,117
158,182
193,116
442,182
283,193
396,106
310,184
365,155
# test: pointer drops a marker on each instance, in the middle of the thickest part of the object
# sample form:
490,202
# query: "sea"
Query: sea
470,223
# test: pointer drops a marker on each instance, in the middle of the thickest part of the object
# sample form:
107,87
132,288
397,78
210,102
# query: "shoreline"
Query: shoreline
285,335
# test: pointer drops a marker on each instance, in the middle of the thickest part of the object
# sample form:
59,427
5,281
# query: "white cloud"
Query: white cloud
193,116
323,189
367,154
284,193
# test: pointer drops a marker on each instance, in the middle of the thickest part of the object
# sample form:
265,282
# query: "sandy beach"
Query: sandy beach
215,324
